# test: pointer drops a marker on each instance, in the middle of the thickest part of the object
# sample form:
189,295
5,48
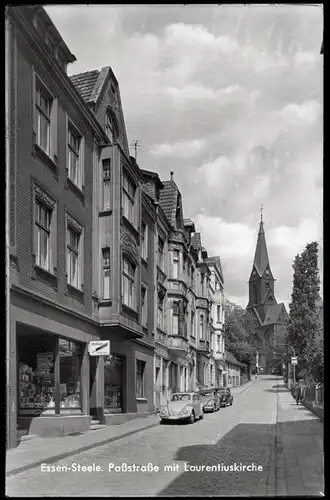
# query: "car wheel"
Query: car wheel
192,418
202,416
231,403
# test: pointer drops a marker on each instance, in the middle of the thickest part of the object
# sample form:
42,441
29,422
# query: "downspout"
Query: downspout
8,133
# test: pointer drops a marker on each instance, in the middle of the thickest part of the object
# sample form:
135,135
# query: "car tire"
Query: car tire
192,418
231,403
202,416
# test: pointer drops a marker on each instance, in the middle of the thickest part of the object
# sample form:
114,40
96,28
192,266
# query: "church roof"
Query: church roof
261,259
272,314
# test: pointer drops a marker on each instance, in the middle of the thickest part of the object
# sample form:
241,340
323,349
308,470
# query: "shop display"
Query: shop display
37,386
70,365
113,383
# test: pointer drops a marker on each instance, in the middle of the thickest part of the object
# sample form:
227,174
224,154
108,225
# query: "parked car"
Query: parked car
225,396
210,400
184,406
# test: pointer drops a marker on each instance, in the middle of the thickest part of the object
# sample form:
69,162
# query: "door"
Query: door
158,388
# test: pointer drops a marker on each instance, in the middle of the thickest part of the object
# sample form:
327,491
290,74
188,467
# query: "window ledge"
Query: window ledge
75,292
141,400
131,312
45,158
42,274
104,212
130,226
76,189
105,302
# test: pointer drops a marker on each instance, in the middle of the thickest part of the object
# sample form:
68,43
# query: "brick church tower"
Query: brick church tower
269,319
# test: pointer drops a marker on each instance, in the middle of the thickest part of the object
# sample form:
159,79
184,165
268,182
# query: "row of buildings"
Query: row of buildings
97,249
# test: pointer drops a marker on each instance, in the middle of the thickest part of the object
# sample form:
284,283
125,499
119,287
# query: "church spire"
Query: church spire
261,255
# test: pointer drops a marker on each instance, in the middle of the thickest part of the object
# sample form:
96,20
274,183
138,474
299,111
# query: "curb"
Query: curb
314,409
81,449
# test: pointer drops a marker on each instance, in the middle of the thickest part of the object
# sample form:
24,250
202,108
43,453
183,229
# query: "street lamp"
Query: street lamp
294,366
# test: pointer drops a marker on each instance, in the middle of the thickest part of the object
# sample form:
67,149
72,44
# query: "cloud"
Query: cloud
233,95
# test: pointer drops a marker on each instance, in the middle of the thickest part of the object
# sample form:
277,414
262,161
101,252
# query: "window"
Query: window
73,244
201,326
161,254
128,198
44,102
267,286
160,314
140,368
218,343
144,241
192,276
144,306
42,221
106,272
218,314
109,127
175,319
176,255
74,161
192,324
70,371
128,283
202,284
106,165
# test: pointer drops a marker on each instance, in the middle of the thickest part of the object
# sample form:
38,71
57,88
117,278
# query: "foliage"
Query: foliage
237,338
305,329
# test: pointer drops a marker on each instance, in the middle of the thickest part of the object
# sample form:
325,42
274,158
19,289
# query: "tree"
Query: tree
304,324
237,339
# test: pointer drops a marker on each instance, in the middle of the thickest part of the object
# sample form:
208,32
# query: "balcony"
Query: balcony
178,287
177,343
203,345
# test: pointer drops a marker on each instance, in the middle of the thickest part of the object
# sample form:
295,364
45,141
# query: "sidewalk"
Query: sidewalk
299,456
34,452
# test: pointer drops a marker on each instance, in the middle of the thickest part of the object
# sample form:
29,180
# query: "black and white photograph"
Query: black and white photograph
164,250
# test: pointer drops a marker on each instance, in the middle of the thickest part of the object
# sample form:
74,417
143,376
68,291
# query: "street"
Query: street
244,434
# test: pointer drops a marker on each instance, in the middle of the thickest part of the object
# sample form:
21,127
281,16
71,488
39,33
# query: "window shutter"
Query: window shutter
54,130
82,259
34,118
34,228
53,240
82,161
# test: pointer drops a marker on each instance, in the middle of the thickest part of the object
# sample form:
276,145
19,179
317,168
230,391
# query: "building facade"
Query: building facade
264,316
233,371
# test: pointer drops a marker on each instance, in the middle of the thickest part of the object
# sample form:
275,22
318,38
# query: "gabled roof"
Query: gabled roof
230,358
85,83
261,259
272,314
196,241
168,200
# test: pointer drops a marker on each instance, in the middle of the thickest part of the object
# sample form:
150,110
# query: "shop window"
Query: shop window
113,384
70,370
140,378
36,356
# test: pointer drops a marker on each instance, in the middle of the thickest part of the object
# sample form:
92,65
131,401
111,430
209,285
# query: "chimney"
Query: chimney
172,173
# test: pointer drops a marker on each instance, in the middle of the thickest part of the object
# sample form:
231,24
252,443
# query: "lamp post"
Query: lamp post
294,366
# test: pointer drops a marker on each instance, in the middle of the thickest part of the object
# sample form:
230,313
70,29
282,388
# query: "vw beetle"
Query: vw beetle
210,400
225,396
182,406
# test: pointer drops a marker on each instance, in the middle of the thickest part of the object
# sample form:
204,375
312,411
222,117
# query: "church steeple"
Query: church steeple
261,282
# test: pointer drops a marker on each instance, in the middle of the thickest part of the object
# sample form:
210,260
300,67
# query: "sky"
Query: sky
229,98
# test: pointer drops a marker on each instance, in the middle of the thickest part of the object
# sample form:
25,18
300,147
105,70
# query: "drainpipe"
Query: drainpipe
8,316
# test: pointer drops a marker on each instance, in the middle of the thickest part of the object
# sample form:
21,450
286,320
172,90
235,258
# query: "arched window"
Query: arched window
111,125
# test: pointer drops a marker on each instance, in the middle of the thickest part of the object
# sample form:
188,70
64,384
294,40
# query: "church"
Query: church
266,320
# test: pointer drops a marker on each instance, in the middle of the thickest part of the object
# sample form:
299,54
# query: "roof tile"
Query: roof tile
168,200
85,83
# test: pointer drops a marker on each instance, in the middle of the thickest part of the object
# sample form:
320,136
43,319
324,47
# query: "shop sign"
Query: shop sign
99,348
294,360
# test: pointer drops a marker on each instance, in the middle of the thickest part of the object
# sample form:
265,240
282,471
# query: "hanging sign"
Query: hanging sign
294,360
99,348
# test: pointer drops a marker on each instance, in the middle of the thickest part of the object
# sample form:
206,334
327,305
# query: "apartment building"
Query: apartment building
217,321
79,242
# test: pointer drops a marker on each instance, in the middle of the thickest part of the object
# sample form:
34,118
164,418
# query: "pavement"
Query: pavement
34,452
264,430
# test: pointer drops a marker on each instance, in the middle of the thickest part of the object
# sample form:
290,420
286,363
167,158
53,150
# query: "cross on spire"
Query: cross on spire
261,210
